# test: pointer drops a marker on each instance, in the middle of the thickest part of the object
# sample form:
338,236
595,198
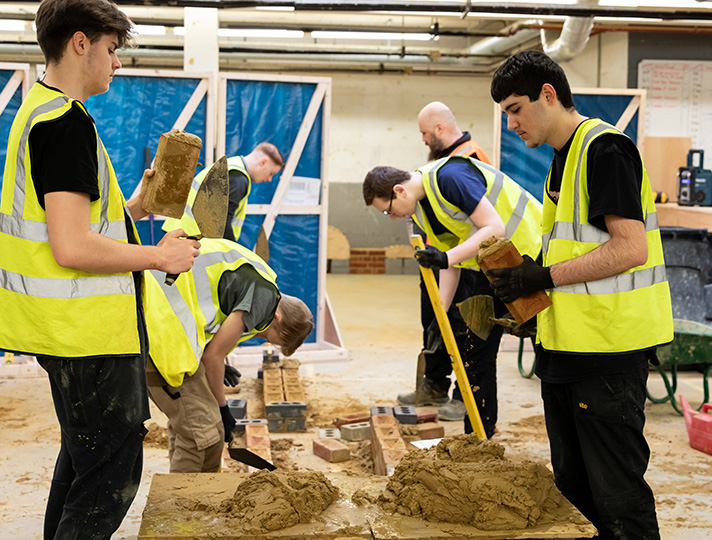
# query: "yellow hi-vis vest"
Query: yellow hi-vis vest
187,221
183,318
629,311
47,309
519,210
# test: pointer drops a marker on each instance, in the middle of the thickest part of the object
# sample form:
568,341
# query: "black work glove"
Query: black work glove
232,376
433,337
520,280
228,422
432,257
524,330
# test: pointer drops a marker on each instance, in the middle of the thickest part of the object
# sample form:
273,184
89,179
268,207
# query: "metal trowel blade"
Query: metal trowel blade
478,311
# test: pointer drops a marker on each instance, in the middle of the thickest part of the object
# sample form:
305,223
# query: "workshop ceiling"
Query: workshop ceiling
435,36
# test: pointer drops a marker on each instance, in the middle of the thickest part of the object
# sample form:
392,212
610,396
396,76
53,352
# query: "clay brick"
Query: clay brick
383,430
241,423
352,418
256,430
430,430
424,417
331,450
356,432
257,441
383,420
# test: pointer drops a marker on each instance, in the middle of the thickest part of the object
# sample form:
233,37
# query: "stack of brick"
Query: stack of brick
387,444
257,441
367,261
285,403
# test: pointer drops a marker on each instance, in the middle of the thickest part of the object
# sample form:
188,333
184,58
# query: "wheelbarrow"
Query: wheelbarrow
692,344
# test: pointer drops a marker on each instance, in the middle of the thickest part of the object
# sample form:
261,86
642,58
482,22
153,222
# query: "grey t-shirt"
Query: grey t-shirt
246,290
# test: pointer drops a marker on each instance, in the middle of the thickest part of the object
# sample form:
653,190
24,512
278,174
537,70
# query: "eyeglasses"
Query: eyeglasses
390,205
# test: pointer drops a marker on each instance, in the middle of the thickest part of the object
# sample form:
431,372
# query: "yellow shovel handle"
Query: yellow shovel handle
450,344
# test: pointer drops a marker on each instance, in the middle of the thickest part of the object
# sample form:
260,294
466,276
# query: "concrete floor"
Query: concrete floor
378,317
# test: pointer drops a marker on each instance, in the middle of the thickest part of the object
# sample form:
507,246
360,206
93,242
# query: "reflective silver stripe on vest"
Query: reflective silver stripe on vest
18,203
36,231
564,230
182,311
619,283
454,215
64,288
517,215
203,286
238,222
593,132
19,227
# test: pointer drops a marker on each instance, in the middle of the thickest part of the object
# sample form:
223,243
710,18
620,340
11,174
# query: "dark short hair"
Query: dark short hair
379,182
524,73
58,20
272,152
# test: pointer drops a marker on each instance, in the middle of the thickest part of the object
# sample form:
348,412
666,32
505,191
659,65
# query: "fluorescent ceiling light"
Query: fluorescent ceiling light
516,16
150,30
391,36
12,25
179,30
274,8
259,33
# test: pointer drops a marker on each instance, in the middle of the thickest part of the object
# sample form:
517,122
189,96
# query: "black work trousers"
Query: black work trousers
479,357
599,454
101,404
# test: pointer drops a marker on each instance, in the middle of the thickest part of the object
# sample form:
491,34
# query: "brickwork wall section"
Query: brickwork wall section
367,261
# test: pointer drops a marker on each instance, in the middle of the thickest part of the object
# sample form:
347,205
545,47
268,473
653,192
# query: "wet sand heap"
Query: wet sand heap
468,480
269,501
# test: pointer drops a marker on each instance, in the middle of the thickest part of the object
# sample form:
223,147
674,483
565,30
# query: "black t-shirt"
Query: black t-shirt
615,174
238,191
246,290
465,137
63,157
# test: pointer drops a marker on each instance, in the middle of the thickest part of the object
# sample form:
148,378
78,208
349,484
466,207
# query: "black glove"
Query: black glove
228,422
521,280
232,376
433,337
432,257
524,330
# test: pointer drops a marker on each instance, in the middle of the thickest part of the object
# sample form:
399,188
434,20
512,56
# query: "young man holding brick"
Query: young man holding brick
605,275
459,202
230,297
72,271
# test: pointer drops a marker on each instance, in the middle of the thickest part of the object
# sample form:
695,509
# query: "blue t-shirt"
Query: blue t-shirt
461,184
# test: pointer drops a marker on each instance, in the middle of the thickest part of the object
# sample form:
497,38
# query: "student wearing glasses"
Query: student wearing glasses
459,202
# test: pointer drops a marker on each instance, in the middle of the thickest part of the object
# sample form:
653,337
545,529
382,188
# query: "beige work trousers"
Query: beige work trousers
195,429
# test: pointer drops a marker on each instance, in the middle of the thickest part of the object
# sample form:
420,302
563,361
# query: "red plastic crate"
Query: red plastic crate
699,426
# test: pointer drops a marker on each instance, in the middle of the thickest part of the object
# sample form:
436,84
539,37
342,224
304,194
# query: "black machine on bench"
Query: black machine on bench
694,182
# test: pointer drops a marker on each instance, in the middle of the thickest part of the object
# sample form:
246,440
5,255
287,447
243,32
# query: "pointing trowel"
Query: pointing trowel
210,206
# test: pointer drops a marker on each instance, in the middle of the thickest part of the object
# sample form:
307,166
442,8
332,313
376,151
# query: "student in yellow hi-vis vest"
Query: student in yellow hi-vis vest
229,296
257,167
605,274
72,271
443,137
459,202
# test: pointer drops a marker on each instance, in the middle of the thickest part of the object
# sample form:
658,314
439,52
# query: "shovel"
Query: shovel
210,206
243,455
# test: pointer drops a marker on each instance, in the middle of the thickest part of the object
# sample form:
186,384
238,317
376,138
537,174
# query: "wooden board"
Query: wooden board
167,517
695,217
663,156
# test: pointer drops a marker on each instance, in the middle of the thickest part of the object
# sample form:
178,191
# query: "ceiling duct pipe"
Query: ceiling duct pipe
573,38
502,46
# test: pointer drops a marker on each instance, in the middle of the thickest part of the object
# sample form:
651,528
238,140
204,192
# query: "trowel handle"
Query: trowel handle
171,278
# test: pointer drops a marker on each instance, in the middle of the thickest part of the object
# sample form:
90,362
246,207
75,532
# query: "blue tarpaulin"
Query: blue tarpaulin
7,117
530,166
